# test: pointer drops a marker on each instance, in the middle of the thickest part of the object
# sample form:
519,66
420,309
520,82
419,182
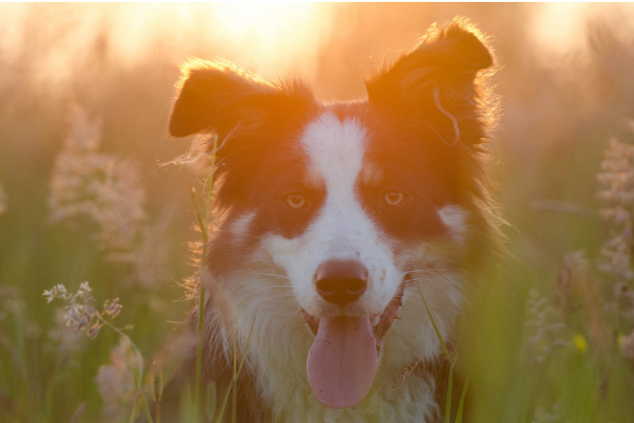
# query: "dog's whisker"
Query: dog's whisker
418,279
430,269
266,274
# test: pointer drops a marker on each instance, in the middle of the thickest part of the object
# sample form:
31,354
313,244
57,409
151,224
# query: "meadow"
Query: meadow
87,194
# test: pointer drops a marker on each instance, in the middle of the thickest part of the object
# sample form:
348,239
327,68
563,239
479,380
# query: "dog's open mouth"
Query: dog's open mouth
342,361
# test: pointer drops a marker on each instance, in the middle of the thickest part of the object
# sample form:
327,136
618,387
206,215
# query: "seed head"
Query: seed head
617,176
97,186
79,313
112,308
542,328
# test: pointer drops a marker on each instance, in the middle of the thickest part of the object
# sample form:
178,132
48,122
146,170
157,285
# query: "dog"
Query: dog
334,221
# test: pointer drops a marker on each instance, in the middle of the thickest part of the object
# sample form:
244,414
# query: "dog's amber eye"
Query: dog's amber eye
394,198
295,201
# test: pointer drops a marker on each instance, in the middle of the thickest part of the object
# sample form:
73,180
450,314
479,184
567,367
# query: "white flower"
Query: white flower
542,327
116,381
95,185
79,313
618,177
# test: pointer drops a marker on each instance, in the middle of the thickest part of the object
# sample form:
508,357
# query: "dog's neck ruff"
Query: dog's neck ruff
277,357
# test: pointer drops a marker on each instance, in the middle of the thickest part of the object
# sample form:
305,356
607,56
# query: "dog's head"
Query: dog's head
361,207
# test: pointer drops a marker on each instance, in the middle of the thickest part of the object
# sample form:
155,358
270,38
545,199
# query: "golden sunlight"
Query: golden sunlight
281,37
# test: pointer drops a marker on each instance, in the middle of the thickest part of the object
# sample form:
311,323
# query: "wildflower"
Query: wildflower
79,412
580,343
116,381
58,291
95,185
112,308
79,316
624,301
118,208
618,176
627,345
66,338
543,416
11,299
79,313
541,327
84,290
94,330
3,201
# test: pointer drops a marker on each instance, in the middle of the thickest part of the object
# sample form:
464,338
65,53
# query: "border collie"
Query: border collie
334,219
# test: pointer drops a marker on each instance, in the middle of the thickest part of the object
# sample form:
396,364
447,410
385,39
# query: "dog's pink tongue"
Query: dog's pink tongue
342,361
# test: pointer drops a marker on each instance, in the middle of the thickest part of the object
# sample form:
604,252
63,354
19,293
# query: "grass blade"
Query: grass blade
229,388
201,291
199,216
137,382
442,342
199,349
448,401
210,405
461,404
224,402
449,358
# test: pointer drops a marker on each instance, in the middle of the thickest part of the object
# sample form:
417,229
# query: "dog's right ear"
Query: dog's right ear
217,96
439,82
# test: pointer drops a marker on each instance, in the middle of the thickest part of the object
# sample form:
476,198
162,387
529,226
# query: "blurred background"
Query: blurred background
92,85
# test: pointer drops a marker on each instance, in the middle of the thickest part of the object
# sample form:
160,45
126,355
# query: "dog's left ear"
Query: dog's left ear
217,97
437,80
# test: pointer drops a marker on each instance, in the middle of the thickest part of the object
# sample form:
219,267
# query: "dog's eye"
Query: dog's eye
295,201
394,198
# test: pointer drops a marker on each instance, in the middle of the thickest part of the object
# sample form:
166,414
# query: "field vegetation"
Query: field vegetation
91,215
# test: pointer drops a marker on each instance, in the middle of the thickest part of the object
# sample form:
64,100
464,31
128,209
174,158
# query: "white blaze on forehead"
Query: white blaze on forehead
335,150
341,228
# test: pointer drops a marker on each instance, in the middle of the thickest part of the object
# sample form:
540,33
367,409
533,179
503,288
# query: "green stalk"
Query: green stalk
137,381
452,362
461,405
229,388
137,378
201,290
448,400
442,342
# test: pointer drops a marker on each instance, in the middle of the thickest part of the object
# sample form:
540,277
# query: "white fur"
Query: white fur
341,230
455,218
278,279
240,226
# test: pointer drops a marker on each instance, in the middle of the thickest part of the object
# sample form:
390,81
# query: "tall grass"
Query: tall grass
550,335
203,223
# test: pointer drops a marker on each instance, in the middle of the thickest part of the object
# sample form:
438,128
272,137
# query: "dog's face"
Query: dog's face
352,203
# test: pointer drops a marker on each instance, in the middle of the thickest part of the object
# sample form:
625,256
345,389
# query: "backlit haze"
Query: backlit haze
320,42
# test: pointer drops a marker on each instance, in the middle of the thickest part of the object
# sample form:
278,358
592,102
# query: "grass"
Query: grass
578,371
582,380
203,225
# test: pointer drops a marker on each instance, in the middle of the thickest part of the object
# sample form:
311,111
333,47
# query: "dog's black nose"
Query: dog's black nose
341,282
